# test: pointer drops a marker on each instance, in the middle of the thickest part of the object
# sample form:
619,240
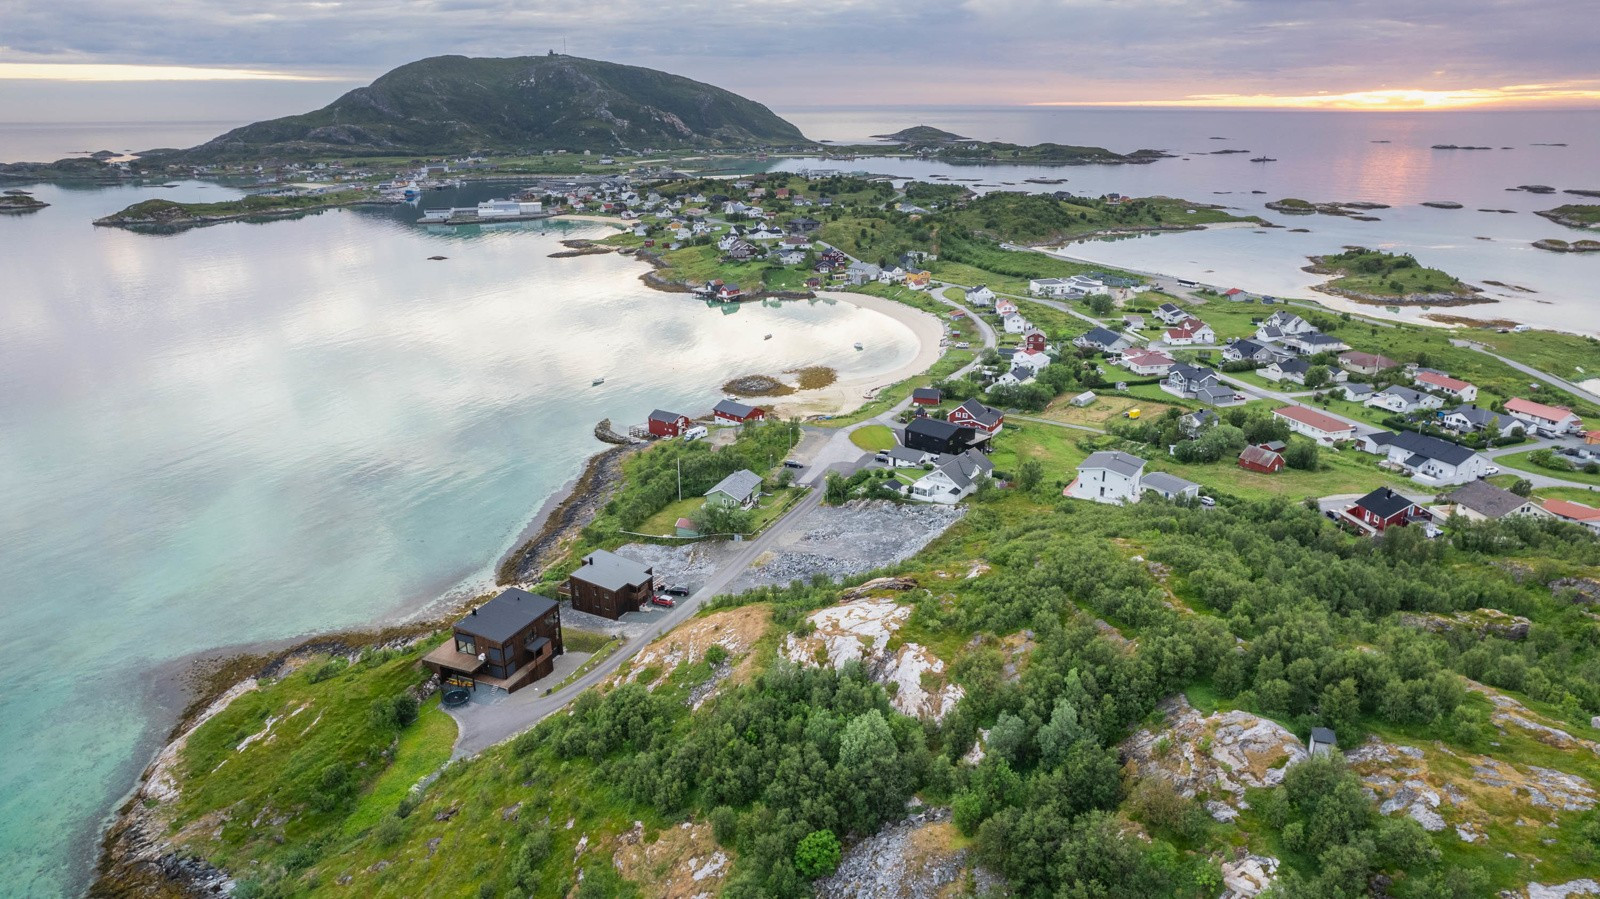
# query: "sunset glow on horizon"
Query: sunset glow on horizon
1565,94
67,71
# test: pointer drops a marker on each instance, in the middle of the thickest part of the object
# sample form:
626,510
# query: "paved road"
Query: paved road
1530,371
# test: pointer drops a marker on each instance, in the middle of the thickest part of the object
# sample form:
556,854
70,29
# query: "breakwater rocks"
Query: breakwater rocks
1562,246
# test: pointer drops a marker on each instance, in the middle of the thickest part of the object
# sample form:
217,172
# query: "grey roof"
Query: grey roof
1213,393
1294,366
664,415
501,618
983,414
1102,338
736,409
927,393
1122,463
1201,416
907,454
609,571
964,468
1405,393
1323,735
1022,373
1353,390
1480,417
1247,348
1162,482
1486,499
1431,447
1316,339
740,485
1192,374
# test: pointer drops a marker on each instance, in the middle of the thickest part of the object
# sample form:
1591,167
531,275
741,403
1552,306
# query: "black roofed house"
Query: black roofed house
737,413
933,435
610,585
667,424
803,225
927,396
508,642
1101,339
1430,460
1384,508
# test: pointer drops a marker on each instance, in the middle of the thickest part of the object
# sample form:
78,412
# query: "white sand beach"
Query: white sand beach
849,393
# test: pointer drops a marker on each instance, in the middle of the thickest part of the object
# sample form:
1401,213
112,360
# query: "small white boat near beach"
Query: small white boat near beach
859,346
597,382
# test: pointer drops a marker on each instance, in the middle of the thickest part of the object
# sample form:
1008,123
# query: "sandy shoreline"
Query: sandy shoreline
848,394
582,217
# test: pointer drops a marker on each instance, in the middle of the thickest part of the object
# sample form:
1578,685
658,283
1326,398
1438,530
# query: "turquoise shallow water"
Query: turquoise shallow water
256,431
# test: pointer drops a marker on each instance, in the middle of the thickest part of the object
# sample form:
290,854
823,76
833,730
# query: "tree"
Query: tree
1522,487
1316,376
1301,455
718,517
1100,304
1029,474
818,854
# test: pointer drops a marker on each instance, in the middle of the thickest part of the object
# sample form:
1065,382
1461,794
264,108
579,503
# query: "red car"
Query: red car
665,601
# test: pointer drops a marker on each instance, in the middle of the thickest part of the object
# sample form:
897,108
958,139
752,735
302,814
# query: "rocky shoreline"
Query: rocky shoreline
1332,288
572,511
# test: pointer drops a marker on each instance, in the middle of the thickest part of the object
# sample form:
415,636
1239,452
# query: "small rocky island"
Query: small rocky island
1561,246
1353,209
1584,217
1376,278
167,215
20,202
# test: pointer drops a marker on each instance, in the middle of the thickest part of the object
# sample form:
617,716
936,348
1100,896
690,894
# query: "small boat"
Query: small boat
859,346
768,337
597,382
1263,159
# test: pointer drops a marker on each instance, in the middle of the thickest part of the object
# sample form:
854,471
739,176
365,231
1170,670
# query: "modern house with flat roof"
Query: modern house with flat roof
610,585
508,642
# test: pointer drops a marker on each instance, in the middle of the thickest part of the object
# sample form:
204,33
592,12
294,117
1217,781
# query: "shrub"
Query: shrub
818,854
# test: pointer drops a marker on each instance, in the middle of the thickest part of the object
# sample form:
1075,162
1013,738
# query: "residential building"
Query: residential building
1319,426
1365,363
1281,324
667,424
1294,371
1195,422
1170,314
1035,341
610,585
1168,485
1313,343
1014,323
1190,331
1384,508
1429,460
863,273
1102,340
985,421
1247,350
1030,359
1403,400
1133,322
1481,501
1261,459
1547,421
1108,477
508,642
734,412
918,280
1185,380
927,396
980,296
1453,387
742,489
1016,376
953,478
1473,418
906,457
1218,394
1357,393
1577,513
1003,307
1147,362
932,435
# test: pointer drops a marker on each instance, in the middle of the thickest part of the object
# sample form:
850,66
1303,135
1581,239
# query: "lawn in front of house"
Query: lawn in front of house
1349,471
874,438
1523,461
1103,410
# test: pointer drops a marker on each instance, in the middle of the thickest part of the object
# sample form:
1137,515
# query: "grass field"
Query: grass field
422,748
1523,462
1342,472
874,438
1104,409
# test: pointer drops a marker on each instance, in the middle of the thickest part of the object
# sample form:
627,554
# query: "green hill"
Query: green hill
457,104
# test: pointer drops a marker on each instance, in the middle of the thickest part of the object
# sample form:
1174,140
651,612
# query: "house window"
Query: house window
466,645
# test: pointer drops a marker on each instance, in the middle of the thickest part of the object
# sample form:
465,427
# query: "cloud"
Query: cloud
80,71
819,52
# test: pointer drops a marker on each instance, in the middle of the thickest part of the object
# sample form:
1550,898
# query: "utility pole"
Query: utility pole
680,480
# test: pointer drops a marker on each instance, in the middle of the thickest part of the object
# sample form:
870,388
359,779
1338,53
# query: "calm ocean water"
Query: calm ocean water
256,431
252,432
1322,156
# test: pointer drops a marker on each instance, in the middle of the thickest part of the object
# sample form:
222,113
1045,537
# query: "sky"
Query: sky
109,60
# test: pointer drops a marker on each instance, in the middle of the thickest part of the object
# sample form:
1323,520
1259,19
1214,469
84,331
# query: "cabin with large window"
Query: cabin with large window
508,642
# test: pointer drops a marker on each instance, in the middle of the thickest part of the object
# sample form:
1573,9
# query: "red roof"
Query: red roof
1313,419
1259,456
1232,291
1444,382
1146,357
1575,511
1538,410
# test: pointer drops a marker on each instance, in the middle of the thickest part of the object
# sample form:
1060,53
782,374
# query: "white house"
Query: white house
1015,377
1430,460
1473,418
1034,360
952,478
1190,331
1551,421
1319,427
1050,287
1283,323
1453,387
1168,485
1483,501
1403,399
1170,313
980,296
1147,362
1101,339
906,457
1108,477
1004,307
1016,324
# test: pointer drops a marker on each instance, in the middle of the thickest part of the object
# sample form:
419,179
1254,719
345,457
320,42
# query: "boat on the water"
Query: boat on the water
597,382
859,346
768,337
1263,159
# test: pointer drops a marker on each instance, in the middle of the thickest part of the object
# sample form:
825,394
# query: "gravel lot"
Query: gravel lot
840,541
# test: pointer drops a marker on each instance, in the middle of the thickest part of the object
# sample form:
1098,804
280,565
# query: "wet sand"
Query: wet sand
849,393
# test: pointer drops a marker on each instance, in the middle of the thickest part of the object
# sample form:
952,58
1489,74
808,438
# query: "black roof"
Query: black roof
1432,447
937,428
501,618
1384,503
1323,735
984,414
927,393
664,415
736,409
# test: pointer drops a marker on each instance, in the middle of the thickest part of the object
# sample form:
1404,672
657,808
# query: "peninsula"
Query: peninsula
1377,278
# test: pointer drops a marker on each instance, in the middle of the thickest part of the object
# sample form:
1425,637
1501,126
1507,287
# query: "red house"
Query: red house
1383,508
737,413
927,396
729,292
668,424
1034,341
985,421
1259,458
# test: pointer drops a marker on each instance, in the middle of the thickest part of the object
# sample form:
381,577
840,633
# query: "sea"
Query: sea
247,433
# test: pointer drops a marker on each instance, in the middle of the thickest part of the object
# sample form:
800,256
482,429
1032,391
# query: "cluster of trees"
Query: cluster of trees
1068,373
1219,442
653,476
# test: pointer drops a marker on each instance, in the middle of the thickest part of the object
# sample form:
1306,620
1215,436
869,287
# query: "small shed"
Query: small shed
1322,741
1084,398
1260,458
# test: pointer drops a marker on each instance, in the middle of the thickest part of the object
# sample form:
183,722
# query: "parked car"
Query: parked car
881,457
665,601
1207,501
793,463
675,590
